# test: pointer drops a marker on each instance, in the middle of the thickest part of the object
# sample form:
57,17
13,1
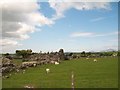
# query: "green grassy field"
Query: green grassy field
88,74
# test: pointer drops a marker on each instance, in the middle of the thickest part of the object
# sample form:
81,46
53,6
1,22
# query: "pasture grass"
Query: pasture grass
88,74
17,61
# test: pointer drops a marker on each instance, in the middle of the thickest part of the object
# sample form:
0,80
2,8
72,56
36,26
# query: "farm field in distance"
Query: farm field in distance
87,74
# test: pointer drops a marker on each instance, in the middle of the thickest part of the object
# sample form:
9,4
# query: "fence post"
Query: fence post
72,78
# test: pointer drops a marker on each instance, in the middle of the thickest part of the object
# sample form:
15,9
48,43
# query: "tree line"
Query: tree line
26,53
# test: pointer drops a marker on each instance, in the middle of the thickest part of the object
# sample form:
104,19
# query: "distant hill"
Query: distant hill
109,50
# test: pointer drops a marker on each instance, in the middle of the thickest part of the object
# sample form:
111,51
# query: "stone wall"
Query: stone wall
48,57
6,66
41,58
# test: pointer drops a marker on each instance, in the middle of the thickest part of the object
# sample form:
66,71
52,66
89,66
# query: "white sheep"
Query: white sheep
87,58
95,60
56,63
34,65
47,70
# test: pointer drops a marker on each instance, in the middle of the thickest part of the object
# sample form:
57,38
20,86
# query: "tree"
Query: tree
24,53
88,54
83,54
70,54
7,55
40,51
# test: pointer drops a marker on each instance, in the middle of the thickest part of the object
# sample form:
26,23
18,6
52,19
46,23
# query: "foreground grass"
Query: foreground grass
88,74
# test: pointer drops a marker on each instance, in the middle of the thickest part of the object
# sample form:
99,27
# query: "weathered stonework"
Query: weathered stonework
44,58
32,61
7,65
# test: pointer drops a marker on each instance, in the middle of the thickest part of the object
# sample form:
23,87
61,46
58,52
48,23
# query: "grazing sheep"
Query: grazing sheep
34,65
87,58
56,63
95,60
47,70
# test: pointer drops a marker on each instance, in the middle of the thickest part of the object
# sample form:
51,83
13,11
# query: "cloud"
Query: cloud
89,34
61,7
19,19
85,1
4,42
40,19
81,34
97,19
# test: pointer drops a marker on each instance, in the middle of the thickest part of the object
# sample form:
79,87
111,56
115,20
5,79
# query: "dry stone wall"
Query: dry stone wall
48,57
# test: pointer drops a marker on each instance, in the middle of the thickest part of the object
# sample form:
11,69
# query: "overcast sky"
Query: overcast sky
49,26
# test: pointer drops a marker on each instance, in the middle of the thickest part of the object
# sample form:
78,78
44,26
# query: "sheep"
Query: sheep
34,65
47,70
87,58
95,60
56,63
